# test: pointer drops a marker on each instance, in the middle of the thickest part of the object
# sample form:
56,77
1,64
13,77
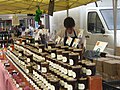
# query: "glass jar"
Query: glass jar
41,48
82,84
72,84
59,54
58,46
78,51
51,45
29,58
65,56
73,58
65,48
36,42
90,69
76,71
53,53
44,67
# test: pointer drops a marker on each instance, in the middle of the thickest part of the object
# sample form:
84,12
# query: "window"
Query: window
94,23
108,17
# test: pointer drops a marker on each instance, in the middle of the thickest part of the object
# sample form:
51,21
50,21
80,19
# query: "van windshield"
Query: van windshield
108,17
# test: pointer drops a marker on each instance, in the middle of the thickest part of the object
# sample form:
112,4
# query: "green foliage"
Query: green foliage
38,14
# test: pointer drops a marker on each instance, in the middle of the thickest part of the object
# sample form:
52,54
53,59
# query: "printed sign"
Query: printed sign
100,46
75,43
69,40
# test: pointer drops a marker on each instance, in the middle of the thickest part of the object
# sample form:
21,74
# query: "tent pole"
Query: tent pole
67,12
115,23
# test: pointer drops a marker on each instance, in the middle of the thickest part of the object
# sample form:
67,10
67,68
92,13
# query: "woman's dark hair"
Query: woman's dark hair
69,22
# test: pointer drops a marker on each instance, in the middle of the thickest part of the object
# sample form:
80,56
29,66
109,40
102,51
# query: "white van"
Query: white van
99,27
97,23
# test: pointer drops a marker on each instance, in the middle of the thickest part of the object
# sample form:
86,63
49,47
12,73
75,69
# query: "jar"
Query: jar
38,63
82,84
65,48
23,42
29,58
51,45
21,53
73,58
90,69
41,48
70,72
65,68
44,67
58,46
53,53
32,40
59,54
78,51
36,42
65,56
22,60
76,71
29,69
72,84
70,49
54,84
11,47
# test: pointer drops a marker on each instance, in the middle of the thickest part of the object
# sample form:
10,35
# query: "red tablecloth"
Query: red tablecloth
6,82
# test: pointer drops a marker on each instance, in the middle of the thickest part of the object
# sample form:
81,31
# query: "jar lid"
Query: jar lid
77,49
65,52
59,50
83,78
62,47
90,64
71,79
73,54
51,43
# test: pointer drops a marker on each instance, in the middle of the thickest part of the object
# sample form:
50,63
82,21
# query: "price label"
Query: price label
88,72
64,59
81,86
27,71
69,40
38,66
70,87
49,47
59,57
70,72
44,69
40,50
20,54
28,60
53,55
74,75
23,43
36,44
71,62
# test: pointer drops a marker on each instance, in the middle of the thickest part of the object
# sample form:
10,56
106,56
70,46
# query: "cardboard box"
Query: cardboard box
99,68
100,61
118,69
110,67
105,76
118,51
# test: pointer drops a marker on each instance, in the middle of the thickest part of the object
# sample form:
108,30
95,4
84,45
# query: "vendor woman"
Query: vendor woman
69,31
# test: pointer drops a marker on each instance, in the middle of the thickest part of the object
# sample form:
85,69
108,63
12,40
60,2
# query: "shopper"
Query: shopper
69,25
